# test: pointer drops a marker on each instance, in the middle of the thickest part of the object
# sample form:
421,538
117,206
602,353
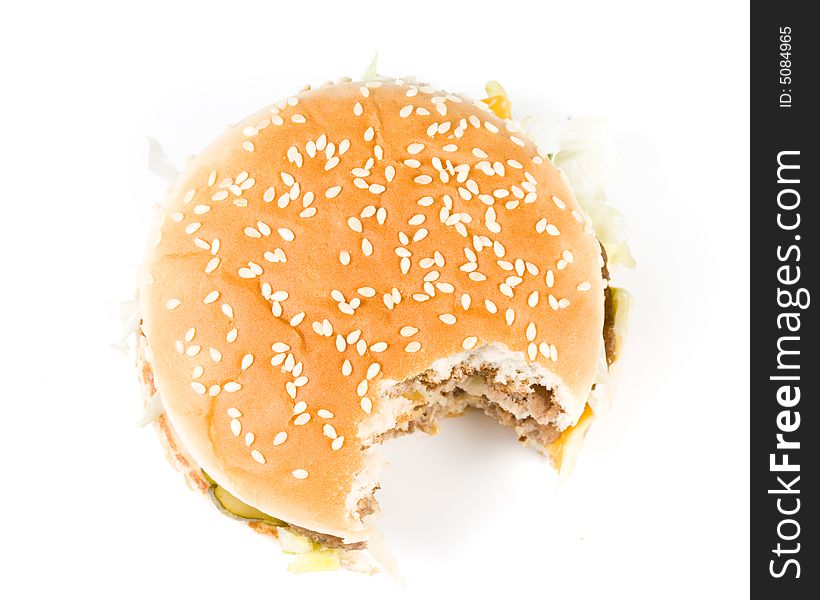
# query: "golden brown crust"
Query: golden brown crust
277,258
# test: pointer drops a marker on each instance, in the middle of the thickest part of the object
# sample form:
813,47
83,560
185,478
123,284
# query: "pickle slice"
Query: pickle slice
234,507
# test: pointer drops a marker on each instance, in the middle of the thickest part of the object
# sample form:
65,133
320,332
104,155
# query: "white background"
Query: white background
658,504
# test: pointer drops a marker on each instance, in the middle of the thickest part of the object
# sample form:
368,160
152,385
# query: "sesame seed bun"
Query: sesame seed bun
343,241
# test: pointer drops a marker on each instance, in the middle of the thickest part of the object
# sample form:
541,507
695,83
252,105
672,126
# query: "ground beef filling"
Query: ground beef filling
327,540
530,410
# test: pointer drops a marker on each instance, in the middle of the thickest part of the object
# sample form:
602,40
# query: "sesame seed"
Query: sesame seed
532,351
232,386
324,413
329,431
212,264
584,286
553,302
550,278
302,419
413,347
173,303
211,297
355,224
236,427
263,228
469,342
286,234
447,319
337,443
347,368
553,230
378,347
373,370
299,407
191,228
249,438
198,387
247,361
415,148
280,438
361,389
366,404
299,474
332,192
532,300
531,331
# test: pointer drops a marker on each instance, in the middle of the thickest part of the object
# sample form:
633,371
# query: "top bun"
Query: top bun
347,237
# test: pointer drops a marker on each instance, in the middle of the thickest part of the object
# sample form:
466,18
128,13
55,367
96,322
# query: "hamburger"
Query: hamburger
356,263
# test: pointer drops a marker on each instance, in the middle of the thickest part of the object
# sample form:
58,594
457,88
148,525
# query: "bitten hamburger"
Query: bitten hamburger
353,264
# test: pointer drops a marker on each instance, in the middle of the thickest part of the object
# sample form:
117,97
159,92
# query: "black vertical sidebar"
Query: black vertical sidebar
785,169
